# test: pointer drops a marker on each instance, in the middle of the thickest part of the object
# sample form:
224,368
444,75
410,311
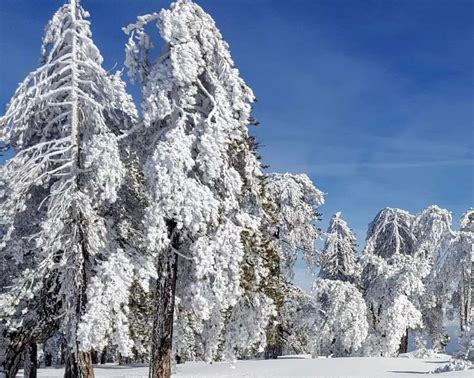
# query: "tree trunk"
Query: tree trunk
103,357
79,366
31,361
13,355
273,351
466,299
404,343
122,360
48,359
94,357
3,350
162,334
12,366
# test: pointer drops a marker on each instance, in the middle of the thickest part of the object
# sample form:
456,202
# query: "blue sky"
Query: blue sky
372,99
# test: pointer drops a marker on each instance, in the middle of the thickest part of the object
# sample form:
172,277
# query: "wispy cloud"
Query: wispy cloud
407,164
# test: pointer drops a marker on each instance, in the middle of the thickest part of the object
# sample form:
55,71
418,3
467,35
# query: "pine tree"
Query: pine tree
338,259
200,170
390,233
290,229
432,231
463,243
340,326
296,199
390,236
390,289
390,261
59,242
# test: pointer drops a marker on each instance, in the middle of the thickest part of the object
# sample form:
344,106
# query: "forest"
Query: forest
155,234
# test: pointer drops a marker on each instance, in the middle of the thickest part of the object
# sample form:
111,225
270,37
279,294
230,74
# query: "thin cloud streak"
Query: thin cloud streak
419,164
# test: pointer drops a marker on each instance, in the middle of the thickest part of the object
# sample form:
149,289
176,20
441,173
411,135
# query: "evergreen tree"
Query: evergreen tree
390,233
65,268
390,289
465,240
290,229
296,200
338,259
389,261
432,232
200,172
340,326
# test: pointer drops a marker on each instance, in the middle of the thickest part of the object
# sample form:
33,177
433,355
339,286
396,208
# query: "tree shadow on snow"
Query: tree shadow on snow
407,372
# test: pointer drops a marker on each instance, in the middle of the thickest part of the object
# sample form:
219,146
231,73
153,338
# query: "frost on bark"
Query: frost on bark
57,191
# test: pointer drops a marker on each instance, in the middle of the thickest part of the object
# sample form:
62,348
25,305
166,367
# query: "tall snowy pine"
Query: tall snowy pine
338,259
201,173
389,261
390,233
432,233
57,237
458,264
290,229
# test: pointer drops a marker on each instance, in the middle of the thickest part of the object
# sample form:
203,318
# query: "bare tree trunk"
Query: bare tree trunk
162,336
79,366
31,361
3,349
404,343
12,365
94,357
103,357
14,353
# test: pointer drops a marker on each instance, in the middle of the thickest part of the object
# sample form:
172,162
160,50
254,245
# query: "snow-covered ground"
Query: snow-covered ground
291,366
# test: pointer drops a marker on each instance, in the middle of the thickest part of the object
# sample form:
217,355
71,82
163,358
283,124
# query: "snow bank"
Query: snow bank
379,367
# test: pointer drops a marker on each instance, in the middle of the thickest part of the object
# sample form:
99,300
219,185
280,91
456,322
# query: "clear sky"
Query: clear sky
372,99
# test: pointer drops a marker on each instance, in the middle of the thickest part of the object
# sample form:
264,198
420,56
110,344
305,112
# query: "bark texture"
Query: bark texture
162,337
79,366
31,361
404,343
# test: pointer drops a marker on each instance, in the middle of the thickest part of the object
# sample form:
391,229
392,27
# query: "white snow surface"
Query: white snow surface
288,366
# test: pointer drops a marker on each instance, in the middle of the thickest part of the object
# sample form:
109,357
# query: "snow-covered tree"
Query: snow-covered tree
296,199
389,289
290,331
466,344
457,264
340,327
201,172
432,232
390,233
338,258
290,228
464,246
68,272
390,236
